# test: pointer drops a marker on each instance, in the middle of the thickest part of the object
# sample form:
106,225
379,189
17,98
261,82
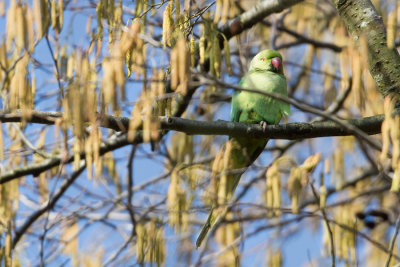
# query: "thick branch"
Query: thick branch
302,39
291,131
249,18
362,19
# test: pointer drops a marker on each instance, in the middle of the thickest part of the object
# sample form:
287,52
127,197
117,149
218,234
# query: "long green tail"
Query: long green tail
206,228
243,152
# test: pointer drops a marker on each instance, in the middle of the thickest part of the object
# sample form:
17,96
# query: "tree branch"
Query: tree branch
290,131
249,18
37,168
31,219
362,19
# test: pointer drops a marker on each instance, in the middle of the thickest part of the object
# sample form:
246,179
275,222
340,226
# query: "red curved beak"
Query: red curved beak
276,62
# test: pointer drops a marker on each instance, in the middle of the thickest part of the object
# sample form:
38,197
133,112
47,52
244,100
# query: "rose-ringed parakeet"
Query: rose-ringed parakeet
266,74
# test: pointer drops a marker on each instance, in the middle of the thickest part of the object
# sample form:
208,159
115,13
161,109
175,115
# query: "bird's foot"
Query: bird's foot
263,125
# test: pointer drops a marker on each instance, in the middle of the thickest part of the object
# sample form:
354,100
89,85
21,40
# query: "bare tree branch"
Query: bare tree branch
253,16
50,204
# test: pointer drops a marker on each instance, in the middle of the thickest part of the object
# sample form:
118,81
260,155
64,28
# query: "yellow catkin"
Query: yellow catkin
178,11
3,59
395,136
100,17
129,38
294,188
167,24
89,157
327,166
7,247
192,51
216,55
269,196
2,8
128,61
118,72
225,11
60,14
358,92
276,191
183,66
394,124
174,68
89,25
96,151
160,93
70,236
311,162
322,194
44,11
147,118
396,181
11,24
344,63
217,14
18,86
43,187
20,19
70,66
227,56
141,241
109,82
78,63
391,27
153,245
1,143
202,45
54,18
172,199
202,49
77,153
38,18
338,167
135,120
31,34
138,8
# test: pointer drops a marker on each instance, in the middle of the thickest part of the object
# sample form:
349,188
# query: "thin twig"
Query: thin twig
25,140
328,227
58,76
393,241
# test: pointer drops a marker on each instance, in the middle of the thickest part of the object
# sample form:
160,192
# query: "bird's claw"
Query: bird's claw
263,125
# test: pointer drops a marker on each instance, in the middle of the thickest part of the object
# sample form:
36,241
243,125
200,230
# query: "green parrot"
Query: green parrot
266,74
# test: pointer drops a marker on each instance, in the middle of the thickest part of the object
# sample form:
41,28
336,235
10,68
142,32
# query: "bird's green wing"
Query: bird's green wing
248,107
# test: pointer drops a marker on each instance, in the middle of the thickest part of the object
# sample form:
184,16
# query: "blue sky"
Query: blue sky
298,248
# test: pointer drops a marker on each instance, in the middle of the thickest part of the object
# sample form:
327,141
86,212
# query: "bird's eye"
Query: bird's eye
263,59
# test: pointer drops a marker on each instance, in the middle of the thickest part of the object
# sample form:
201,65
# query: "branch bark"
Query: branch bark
37,168
249,18
290,131
362,19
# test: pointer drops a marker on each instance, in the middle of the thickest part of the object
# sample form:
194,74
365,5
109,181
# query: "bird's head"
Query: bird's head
269,60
